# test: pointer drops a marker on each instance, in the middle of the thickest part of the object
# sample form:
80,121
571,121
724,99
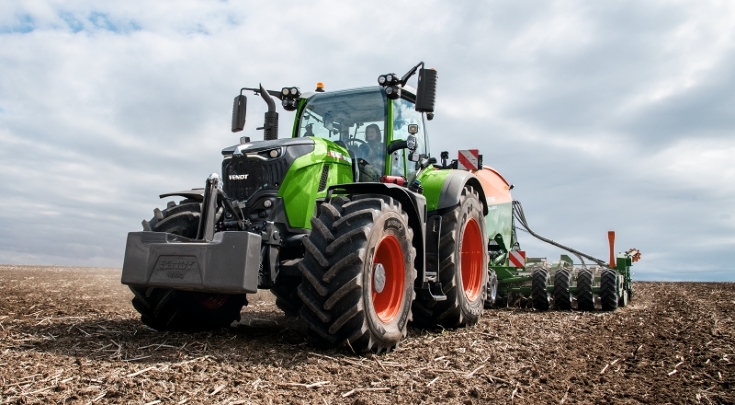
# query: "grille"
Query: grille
260,174
323,180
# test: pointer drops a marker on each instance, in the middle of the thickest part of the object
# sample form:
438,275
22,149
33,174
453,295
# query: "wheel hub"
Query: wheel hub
471,261
388,279
379,278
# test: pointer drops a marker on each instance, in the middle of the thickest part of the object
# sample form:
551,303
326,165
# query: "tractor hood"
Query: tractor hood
265,146
260,166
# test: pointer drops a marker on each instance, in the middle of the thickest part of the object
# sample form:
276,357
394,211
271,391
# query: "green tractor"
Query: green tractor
352,225
349,222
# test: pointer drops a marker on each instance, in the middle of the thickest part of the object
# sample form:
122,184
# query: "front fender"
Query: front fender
414,205
194,194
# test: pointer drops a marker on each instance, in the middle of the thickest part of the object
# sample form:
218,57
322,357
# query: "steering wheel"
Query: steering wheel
356,141
359,147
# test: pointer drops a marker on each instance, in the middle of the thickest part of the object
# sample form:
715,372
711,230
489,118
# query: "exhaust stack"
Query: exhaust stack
270,124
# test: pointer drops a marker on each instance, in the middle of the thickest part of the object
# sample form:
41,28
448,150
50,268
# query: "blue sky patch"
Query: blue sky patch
24,24
103,21
74,23
98,21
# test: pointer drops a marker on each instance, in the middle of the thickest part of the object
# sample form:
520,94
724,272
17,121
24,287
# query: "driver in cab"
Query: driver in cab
372,153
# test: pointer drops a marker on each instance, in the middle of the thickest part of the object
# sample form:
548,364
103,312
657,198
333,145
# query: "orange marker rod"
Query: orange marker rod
611,240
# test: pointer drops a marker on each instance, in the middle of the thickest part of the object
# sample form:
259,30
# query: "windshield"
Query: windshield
348,117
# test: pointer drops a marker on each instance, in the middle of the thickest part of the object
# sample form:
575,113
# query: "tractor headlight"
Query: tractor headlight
381,79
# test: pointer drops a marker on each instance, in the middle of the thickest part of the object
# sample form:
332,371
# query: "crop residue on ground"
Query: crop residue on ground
70,335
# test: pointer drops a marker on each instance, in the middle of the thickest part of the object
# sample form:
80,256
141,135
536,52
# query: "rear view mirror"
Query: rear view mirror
238,113
426,91
410,143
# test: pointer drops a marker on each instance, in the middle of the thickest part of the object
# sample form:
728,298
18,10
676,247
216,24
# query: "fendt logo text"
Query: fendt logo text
238,176
175,264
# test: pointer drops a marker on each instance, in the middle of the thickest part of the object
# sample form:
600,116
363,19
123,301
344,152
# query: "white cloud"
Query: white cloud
698,164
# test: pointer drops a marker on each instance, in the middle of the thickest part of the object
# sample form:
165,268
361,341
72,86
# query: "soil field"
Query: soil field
70,335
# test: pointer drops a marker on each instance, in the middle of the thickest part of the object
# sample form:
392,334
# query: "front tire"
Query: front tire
463,266
358,274
165,309
287,299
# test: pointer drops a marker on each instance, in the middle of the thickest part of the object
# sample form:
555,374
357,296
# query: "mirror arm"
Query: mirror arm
276,94
410,73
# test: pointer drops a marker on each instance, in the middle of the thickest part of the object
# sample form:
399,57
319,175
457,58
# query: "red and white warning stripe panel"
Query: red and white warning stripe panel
469,159
517,258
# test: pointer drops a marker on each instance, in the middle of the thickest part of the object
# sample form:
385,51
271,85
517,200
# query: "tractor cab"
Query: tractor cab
371,126
381,128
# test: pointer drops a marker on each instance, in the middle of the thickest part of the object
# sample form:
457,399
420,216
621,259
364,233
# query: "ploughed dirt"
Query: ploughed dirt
70,335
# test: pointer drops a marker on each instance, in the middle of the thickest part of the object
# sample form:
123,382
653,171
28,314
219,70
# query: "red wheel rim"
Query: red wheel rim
387,300
472,258
211,301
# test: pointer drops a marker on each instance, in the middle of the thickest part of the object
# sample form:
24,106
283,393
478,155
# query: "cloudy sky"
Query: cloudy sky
605,115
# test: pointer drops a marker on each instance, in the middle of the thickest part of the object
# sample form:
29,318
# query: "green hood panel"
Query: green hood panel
303,182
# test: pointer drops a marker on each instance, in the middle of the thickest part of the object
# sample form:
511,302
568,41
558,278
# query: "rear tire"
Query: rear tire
585,296
165,309
562,296
609,290
539,292
358,274
463,266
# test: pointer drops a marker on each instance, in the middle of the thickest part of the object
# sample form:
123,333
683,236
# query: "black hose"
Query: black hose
520,216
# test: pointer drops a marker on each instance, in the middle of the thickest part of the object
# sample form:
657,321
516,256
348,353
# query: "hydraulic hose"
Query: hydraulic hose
520,216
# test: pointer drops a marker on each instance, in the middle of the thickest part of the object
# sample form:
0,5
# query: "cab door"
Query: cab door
405,116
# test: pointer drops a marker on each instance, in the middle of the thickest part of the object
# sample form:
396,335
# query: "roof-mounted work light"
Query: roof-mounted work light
392,85
290,97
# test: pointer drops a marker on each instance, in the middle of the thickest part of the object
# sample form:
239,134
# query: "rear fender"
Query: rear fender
452,188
